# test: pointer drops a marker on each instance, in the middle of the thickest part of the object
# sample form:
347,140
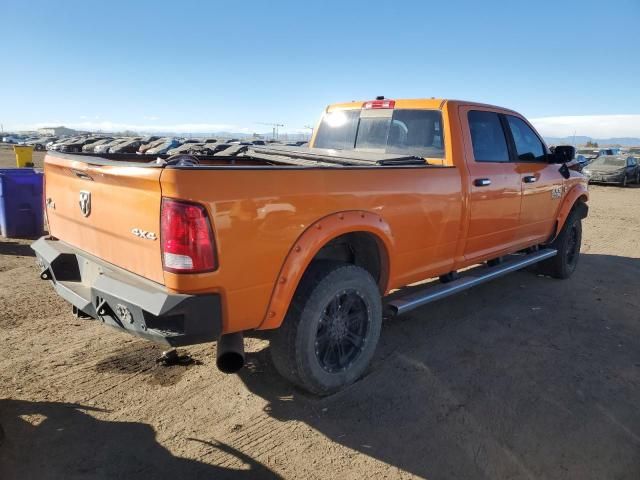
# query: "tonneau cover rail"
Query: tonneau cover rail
333,157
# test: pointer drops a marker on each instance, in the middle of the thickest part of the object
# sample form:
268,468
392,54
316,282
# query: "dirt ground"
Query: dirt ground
525,377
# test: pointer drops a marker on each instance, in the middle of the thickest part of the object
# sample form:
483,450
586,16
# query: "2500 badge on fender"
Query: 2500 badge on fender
306,243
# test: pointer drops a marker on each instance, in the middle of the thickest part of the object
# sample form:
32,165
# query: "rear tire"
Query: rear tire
567,243
331,330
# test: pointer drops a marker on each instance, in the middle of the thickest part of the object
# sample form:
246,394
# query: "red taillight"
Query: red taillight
187,238
379,104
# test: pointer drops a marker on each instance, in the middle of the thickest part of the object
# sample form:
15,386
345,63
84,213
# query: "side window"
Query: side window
487,137
529,148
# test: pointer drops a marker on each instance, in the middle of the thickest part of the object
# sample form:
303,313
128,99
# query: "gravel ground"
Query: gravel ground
525,377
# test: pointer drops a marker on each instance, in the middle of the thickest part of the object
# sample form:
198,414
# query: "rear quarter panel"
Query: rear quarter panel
258,214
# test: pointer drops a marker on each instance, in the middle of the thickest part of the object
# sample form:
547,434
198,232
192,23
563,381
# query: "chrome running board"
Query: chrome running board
470,278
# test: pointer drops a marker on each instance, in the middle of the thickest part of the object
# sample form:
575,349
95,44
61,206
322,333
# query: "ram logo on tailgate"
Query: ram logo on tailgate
85,202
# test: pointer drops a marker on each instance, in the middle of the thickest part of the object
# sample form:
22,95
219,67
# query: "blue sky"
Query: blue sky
229,65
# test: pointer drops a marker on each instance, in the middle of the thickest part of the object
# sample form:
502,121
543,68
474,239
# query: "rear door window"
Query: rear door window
487,137
529,148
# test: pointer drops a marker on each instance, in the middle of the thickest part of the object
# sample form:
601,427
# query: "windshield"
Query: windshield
610,161
405,132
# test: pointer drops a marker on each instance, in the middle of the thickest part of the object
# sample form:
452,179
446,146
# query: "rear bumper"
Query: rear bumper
126,301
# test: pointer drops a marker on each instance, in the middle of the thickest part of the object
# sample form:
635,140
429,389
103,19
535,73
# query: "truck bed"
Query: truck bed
270,156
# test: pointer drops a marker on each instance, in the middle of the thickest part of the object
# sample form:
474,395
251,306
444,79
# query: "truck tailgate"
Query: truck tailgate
110,211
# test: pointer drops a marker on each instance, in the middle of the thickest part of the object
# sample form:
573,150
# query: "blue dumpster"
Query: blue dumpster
21,202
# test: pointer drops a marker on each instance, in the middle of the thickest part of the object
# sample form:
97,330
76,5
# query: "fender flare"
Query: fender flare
578,193
310,242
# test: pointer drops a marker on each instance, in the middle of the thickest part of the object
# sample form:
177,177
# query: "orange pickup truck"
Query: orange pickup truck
307,242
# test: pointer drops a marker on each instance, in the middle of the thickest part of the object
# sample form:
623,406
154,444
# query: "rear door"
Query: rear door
542,183
494,184
109,211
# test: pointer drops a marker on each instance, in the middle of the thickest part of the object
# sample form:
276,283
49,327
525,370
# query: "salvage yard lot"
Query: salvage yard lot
524,377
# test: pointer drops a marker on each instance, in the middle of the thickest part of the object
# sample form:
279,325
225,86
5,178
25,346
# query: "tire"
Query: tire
567,243
331,331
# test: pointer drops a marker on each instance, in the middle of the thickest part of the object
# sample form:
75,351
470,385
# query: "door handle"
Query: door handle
482,182
530,179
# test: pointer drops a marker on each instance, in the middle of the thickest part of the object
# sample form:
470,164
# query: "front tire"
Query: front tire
331,330
567,243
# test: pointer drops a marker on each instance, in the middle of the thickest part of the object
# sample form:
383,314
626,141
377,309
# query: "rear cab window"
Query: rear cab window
417,132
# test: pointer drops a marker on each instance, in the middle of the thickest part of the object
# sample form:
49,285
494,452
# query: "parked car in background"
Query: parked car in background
56,146
77,144
163,147
151,144
609,151
613,169
13,139
185,146
130,145
38,143
90,147
104,148
206,147
213,148
587,153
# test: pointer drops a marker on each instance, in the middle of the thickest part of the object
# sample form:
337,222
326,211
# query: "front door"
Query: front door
542,183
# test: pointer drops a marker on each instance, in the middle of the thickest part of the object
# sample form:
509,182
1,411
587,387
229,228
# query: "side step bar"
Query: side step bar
471,278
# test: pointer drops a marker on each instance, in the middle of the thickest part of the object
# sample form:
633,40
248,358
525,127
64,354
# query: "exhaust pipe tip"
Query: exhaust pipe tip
230,355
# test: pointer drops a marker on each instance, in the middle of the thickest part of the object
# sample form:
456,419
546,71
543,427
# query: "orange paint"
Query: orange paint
269,223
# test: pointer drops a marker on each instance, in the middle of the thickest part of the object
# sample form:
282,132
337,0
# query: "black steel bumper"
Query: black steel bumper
126,301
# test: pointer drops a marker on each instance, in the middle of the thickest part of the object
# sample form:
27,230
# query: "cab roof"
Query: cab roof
412,103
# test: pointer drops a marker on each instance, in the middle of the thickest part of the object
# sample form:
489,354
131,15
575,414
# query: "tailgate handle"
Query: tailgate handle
81,174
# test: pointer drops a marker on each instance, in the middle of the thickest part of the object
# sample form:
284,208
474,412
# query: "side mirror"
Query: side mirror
562,154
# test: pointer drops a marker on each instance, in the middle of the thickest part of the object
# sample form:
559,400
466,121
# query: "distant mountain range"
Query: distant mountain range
602,142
